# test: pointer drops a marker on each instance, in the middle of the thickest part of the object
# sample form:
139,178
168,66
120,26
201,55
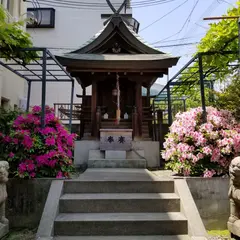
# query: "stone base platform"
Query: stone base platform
150,148
116,159
4,229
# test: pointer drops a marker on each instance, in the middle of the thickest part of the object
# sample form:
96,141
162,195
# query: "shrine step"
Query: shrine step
117,163
159,237
102,155
138,185
119,202
107,224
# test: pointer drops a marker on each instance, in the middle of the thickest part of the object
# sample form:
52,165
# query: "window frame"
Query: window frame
52,18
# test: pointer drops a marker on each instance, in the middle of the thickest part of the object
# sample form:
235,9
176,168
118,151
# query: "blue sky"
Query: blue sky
179,24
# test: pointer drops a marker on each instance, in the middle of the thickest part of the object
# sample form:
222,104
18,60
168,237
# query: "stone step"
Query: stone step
101,155
118,186
116,126
146,139
119,202
119,127
117,163
105,224
159,237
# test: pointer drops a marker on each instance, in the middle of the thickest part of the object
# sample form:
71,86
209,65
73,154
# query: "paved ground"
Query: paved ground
30,235
21,234
219,238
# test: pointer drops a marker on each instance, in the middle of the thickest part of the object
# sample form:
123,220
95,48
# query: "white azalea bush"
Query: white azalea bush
197,148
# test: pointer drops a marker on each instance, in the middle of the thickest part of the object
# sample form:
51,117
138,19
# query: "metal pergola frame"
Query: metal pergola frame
198,77
45,68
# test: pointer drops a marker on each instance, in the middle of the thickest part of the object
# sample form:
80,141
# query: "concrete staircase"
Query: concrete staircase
112,205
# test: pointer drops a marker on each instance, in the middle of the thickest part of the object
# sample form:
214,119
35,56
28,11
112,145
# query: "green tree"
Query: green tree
221,36
13,38
230,98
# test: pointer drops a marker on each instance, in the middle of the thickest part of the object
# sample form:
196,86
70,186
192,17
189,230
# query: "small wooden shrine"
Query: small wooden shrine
117,63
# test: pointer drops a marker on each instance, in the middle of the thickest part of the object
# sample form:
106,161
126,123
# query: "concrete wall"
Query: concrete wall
73,27
151,151
81,151
15,8
12,86
26,200
211,198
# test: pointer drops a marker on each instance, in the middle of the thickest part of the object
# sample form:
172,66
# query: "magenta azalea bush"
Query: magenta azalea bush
202,149
34,152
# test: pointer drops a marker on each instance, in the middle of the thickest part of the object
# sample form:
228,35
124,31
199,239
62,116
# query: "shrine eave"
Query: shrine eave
118,62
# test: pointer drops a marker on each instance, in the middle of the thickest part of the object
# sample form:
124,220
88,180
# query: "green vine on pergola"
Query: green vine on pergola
13,38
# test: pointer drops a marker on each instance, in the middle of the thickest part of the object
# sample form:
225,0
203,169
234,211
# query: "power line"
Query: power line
210,8
189,17
82,5
163,16
162,46
101,3
226,2
179,39
177,45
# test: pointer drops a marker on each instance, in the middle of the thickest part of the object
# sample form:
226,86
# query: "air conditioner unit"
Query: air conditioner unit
23,104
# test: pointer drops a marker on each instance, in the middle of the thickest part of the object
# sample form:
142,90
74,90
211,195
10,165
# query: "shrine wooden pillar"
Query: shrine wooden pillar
148,96
94,108
139,107
83,115
84,95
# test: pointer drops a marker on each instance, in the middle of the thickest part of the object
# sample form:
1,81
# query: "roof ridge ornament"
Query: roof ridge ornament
114,9
115,12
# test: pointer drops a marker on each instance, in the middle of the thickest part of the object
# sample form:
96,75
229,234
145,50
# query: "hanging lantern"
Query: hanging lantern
114,92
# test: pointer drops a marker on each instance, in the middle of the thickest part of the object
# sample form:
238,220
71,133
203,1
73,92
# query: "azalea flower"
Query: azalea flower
198,147
39,152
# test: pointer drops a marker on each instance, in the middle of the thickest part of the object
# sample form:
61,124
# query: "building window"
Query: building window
5,4
41,17
4,103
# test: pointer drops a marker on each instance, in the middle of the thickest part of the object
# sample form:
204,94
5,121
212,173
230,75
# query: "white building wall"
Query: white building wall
73,27
12,86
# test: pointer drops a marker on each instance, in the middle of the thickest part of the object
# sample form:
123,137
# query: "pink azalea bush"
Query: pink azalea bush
35,152
198,148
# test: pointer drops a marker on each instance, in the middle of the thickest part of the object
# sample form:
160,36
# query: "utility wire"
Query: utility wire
179,39
186,21
69,4
177,45
208,11
89,8
211,7
162,46
86,8
115,4
102,3
226,2
163,16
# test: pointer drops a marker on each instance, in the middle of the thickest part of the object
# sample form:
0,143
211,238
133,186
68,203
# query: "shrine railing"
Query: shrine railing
62,111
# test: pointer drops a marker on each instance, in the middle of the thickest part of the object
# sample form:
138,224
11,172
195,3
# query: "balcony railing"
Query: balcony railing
62,111
134,24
